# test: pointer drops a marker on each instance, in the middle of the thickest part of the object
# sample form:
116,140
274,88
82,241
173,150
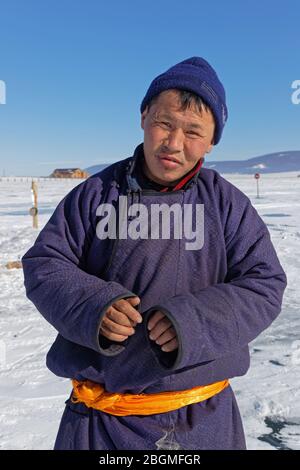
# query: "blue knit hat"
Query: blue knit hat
196,75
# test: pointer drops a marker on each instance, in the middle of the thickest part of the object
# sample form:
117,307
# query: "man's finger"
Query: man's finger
117,328
112,336
158,315
166,337
125,307
170,346
133,300
160,327
118,317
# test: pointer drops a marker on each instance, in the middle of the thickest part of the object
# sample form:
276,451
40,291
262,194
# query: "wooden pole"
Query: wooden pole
34,209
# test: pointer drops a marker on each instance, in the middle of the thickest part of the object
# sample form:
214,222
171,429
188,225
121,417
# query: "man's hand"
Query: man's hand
162,332
120,319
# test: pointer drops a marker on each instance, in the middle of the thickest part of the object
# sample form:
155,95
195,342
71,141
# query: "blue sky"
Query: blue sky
76,72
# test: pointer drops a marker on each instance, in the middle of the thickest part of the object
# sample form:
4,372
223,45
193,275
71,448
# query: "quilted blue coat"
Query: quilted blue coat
219,298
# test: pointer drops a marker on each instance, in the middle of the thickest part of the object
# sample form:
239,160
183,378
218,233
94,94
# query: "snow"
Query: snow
33,399
260,166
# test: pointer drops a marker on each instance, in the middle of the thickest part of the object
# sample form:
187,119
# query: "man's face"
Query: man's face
174,140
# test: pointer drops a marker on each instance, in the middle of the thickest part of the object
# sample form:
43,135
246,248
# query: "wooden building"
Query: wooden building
69,173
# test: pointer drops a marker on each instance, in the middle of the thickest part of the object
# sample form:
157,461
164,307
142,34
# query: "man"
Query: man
149,330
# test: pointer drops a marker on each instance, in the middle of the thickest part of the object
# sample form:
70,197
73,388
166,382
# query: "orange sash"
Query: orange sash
93,395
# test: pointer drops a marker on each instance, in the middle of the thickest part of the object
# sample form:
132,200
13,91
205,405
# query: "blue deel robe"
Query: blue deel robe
219,298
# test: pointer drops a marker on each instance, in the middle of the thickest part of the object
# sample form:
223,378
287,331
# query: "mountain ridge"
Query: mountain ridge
275,162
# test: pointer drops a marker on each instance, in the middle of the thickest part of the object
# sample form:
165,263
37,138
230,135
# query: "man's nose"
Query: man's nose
175,140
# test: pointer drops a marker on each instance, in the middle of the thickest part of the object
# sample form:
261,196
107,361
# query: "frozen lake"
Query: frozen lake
32,399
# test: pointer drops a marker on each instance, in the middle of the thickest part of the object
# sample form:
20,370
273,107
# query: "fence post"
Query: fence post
34,209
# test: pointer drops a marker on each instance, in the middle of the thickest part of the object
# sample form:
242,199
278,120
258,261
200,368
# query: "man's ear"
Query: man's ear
210,147
143,115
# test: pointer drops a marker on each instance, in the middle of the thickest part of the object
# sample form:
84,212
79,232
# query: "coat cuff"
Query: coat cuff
168,360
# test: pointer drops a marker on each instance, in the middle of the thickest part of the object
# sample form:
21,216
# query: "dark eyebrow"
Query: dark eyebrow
193,125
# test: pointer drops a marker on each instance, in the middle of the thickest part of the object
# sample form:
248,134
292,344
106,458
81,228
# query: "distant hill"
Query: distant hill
269,163
92,170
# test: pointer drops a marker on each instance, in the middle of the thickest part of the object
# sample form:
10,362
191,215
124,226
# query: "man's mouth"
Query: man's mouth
169,158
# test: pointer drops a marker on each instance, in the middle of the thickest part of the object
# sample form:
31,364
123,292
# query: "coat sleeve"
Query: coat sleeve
223,318
68,297
74,301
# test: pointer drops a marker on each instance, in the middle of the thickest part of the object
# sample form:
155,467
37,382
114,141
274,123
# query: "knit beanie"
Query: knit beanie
198,76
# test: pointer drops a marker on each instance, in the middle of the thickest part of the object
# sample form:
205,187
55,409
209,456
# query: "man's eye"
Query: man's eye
193,133
165,123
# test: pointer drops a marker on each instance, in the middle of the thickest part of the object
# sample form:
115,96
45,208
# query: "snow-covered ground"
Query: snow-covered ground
32,399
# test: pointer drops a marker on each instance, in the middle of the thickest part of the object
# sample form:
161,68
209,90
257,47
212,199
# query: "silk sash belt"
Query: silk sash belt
93,395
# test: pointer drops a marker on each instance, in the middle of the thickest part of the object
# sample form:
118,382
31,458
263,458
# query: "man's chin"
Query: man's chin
161,175
166,178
